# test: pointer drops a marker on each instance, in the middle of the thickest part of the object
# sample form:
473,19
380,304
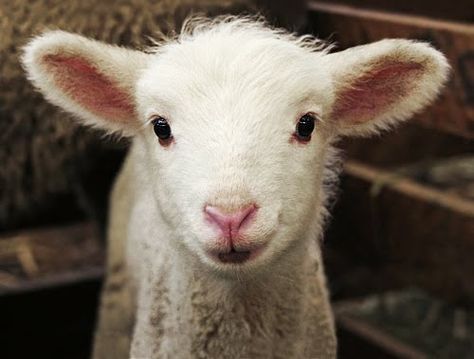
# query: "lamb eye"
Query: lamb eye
305,127
162,128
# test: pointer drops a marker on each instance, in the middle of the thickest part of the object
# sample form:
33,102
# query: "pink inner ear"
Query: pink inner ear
91,89
373,92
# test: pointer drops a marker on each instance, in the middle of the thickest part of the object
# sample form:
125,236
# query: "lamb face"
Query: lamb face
235,181
238,170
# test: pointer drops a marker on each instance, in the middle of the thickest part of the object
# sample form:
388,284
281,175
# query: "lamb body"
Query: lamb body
232,91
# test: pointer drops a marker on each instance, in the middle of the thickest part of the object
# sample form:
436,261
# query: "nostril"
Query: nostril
246,215
230,223
217,217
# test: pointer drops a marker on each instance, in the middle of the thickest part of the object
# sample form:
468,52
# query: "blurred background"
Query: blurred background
399,249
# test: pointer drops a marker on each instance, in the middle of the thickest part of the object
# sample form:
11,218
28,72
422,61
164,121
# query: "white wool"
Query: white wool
232,90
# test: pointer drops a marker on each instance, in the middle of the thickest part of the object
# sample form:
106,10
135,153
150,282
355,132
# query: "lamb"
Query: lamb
217,214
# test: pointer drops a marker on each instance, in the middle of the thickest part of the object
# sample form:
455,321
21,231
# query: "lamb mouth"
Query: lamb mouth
234,256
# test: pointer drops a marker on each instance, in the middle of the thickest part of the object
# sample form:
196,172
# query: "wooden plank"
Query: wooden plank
390,231
408,187
378,338
92,273
459,10
349,26
49,256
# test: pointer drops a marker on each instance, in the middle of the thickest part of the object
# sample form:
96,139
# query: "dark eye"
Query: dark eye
305,127
161,128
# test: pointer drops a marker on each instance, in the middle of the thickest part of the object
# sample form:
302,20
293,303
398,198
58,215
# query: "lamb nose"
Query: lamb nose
230,223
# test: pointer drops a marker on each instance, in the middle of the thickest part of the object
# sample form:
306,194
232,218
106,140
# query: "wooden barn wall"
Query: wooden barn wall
393,228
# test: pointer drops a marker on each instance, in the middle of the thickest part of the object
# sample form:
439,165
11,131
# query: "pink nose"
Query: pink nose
230,223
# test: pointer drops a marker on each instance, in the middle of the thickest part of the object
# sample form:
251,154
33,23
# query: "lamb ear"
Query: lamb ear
380,84
88,78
